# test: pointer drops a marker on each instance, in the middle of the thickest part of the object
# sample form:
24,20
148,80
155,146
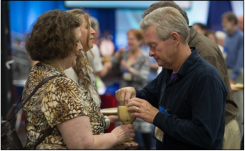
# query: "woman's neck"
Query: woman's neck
55,63
135,52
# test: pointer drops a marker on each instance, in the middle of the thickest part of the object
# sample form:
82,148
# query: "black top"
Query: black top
196,103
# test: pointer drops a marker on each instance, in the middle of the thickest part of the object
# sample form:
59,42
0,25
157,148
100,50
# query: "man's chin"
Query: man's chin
160,65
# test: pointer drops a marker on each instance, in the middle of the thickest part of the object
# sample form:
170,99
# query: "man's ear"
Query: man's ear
175,37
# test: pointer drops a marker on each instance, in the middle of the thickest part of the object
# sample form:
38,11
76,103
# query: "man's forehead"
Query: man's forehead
149,32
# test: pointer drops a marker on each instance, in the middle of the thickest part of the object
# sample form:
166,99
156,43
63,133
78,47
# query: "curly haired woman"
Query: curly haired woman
55,42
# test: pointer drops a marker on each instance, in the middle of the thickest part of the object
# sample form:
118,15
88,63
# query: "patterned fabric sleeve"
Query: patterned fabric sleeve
63,101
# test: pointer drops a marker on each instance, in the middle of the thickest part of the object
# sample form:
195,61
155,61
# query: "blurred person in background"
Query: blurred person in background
61,101
220,35
199,27
135,67
211,53
94,59
240,23
211,35
134,62
233,46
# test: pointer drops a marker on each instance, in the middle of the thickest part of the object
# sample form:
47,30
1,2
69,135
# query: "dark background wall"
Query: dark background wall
6,73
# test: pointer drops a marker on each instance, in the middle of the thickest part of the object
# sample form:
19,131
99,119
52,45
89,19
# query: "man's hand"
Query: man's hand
236,87
142,109
124,94
233,89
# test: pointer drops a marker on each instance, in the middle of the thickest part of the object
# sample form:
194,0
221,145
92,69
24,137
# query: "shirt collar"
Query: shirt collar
186,65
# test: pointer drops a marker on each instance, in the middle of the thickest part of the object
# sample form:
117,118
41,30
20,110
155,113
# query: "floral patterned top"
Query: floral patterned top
58,100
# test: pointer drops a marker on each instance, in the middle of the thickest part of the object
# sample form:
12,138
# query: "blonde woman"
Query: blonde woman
87,132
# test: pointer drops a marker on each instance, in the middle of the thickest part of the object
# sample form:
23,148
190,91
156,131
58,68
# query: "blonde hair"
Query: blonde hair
167,20
82,65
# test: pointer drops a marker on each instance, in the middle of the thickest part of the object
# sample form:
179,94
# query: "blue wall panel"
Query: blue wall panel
24,13
216,9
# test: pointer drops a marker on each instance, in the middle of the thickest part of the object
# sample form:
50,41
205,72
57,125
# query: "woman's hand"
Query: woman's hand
119,53
124,64
127,67
113,118
124,133
121,50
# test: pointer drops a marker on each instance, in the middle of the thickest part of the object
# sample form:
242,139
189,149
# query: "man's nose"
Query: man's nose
151,53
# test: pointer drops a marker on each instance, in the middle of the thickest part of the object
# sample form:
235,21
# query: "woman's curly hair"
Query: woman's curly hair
82,65
52,36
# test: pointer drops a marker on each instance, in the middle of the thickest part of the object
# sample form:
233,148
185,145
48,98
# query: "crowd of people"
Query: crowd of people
189,105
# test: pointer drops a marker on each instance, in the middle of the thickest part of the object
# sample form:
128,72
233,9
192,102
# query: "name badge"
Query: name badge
158,133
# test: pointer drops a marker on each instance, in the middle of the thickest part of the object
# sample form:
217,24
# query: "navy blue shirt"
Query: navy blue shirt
195,100
233,46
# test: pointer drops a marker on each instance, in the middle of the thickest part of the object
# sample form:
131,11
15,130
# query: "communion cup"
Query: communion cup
126,118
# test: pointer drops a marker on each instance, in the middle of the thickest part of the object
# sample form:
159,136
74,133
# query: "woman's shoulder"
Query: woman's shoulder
40,72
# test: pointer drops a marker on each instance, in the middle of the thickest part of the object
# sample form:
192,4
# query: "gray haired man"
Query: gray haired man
186,102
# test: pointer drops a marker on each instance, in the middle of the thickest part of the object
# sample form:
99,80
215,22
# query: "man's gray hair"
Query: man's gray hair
220,35
167,20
